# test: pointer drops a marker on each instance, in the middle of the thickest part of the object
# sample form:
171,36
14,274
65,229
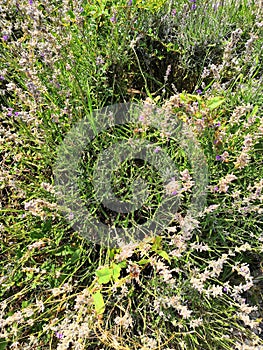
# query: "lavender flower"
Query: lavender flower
157,149
218,157
99,60
113,19
2,78
59,335
198,91
5,37
173,12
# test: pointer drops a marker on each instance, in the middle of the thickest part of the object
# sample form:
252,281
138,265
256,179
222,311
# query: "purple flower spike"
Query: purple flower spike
113,19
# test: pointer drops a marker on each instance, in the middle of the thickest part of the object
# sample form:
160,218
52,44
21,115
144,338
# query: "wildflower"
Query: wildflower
198,91
125,321
193,7
99,60
10,112
168,71
5,37
2,77
59,335
218,157
224,182
173,12
130,3
196,322
113,19
157,149
184,312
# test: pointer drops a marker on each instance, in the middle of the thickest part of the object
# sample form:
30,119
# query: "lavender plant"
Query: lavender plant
197,284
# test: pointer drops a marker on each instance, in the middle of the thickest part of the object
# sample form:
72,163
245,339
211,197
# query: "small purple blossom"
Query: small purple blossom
173,12
5,37
141,118
113,19
157,149
215,6
218,157
16,114
130,3
59,335
10,112
193,7
99,60
225,289
2,77
71,216
30,2
198,91
174,193
216,188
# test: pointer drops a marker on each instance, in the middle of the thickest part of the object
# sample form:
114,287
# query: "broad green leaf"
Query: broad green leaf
117,270
157,243
98,303
164,255
104,275
215,102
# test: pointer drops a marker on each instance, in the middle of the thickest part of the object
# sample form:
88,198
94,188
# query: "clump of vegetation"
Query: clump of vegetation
196,283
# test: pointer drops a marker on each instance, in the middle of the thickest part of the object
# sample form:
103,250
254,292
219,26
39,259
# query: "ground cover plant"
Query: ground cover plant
197,283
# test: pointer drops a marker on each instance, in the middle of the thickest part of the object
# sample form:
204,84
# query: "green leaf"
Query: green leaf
104,275
98,303
3,344
116,271
143,261
255,110
157,243
215,102
164,255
